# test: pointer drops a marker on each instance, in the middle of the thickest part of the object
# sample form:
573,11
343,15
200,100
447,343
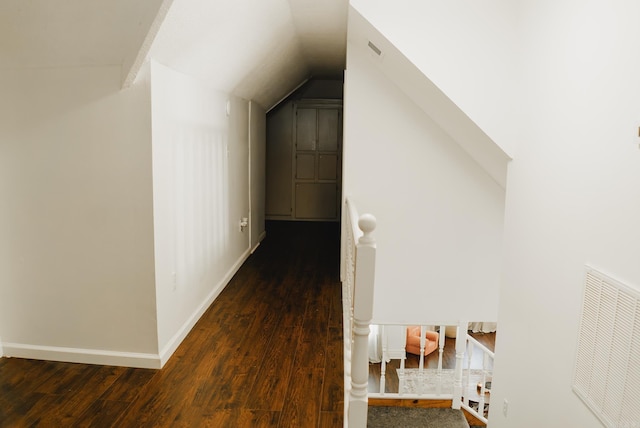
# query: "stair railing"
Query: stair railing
467,384
483,385
358,274
422,382
357,291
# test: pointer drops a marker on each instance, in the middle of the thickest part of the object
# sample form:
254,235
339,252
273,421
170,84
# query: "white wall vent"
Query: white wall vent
374,48
607,371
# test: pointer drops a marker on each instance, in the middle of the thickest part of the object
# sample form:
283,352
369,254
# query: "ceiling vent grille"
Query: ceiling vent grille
374,48
607,370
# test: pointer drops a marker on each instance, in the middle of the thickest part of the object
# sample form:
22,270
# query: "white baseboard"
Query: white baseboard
1,351
84,356
260,239
397,353
124,359
177,338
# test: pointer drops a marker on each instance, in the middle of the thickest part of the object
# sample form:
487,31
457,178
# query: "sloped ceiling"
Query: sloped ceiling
427,96
257,49
45,33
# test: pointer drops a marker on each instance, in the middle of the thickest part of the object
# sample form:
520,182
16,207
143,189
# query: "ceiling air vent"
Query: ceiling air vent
607,370
374,48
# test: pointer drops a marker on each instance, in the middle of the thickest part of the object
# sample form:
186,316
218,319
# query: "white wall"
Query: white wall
201,191
1,348
439,213
465,48
257,172
82,202
426,94
565,72
76,246
572,198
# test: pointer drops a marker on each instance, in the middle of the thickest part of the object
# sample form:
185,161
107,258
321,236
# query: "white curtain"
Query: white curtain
483,327
375,344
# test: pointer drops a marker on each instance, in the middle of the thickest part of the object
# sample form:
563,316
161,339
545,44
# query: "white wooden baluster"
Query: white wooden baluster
483,385
423,341
362,313
461,338
401,374
351,233
383,363
347,294
441,341
487,364
467,387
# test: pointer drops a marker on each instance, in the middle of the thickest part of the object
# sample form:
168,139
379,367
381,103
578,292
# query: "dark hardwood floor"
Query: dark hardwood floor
267,353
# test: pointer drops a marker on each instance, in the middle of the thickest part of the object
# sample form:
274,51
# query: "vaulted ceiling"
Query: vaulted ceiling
44,33
258,49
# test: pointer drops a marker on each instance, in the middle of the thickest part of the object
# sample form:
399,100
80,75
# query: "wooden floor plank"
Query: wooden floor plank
17,374
302,408
272,380
333,394
101,414
230,418
331,419
14,407
64,378
128,385
45,411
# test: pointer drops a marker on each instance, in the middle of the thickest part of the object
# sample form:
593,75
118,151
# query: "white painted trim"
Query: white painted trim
260,239
249,172
1,351
115,358
145,48
277,103
396,354
177,339
84,356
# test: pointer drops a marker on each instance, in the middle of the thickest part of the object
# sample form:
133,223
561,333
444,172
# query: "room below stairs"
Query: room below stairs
418,413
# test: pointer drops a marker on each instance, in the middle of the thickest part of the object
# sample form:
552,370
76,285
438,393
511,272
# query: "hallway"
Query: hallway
267,353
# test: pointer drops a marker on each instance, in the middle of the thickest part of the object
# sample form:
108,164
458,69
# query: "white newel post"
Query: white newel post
461,342
362,314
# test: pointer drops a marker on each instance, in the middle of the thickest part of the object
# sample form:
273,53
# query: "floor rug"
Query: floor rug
406,417
434,381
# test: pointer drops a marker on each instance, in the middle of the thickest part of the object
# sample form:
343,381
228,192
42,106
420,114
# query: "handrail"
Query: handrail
479,413
481,346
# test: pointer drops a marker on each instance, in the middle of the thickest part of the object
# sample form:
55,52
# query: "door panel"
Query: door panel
316,201
303,161
327,167
306,129
328,129
305,166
